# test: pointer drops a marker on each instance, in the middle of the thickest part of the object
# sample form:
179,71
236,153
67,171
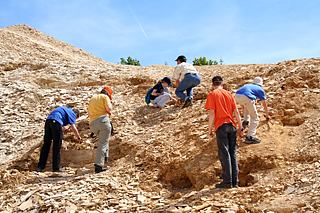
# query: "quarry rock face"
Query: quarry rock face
160,160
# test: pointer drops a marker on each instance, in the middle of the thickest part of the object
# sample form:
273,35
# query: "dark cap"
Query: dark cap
181,58
167,80
217,79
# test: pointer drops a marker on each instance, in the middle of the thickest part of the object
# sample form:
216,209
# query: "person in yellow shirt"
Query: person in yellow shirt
99,110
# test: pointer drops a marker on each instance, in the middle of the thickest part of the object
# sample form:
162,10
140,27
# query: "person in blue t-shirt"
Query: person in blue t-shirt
53,131
247,96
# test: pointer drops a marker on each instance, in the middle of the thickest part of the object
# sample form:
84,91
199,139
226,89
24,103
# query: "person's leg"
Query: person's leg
190,92
222,141
162,100
242,100
189,81
254,118
245,114
232,137
102,151
184,85
56,148
220,159
45,147
195,80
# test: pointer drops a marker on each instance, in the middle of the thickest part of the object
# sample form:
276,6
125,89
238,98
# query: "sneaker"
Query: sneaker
187,103
221,176
39,170
58,170
252,140
98,169
245,124
223,185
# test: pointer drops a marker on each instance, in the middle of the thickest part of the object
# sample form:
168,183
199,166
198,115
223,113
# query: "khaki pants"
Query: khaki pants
102,128
249,113
161,100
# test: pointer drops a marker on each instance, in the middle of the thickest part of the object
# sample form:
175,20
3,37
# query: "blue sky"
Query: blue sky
156,32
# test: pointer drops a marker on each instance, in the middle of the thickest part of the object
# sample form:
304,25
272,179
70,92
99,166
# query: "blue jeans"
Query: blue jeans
190,80
227,145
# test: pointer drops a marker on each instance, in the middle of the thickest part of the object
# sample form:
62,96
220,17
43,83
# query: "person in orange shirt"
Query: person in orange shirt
222,108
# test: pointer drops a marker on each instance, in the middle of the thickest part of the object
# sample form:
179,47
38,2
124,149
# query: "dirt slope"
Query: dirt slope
162,160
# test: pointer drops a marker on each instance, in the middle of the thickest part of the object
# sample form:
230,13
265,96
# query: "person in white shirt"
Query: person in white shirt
185,77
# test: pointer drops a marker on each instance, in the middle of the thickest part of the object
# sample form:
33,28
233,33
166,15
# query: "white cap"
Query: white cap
258,81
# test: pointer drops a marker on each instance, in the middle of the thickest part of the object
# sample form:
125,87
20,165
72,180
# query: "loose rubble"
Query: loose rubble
161,160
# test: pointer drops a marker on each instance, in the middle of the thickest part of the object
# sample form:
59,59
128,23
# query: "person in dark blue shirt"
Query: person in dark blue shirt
157,90
159,94
247,96
53,132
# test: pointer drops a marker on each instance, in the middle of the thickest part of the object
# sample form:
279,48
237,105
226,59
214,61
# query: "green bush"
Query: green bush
130,61
204,61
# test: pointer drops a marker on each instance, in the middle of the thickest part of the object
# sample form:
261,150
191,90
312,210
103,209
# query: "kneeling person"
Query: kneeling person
160,94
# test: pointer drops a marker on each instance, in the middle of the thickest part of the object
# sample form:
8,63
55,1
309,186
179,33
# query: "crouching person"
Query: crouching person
159,95
53,132
99,110
247,96
222,110
185,77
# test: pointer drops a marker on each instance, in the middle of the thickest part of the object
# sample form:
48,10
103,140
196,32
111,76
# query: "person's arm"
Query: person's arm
176,76
75,131
265,107
173,98
238,118
108,106
176,84
154,93
211,121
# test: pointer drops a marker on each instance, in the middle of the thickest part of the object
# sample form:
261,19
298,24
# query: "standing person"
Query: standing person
53,131
186,77
159,95
222,109
99,110
246,96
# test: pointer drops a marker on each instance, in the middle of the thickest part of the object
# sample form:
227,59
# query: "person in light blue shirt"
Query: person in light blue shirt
247,96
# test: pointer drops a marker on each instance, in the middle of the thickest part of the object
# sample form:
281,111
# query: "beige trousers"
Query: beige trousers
102,128
249,113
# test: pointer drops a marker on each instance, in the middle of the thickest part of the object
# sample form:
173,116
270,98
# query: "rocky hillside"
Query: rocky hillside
162,160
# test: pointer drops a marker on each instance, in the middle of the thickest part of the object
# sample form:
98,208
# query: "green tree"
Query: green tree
201,61
130,61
